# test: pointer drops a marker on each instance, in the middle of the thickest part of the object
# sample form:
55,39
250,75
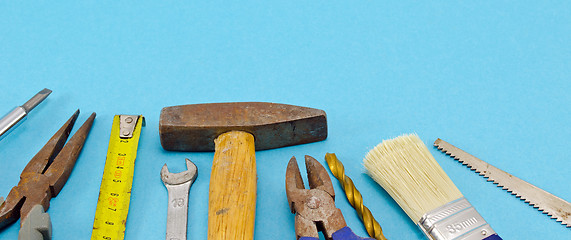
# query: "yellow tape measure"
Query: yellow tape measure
115,191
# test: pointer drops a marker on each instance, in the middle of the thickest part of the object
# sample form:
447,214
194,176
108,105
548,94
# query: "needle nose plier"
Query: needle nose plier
44,177
314,208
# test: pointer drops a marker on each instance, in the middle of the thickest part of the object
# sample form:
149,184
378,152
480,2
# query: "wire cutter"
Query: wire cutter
314,208
43,178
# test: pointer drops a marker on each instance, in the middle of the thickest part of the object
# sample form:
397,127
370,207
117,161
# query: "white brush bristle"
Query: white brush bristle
404,167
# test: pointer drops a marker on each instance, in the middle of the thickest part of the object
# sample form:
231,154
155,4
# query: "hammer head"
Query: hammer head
194,127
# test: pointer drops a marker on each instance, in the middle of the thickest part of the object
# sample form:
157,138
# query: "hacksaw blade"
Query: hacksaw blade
553,206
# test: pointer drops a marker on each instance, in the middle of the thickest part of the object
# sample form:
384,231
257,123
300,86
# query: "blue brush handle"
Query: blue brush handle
344,233
493,237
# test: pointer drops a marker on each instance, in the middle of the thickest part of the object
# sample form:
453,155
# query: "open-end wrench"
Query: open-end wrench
178,186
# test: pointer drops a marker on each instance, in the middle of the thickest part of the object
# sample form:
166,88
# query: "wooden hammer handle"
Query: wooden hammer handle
232,197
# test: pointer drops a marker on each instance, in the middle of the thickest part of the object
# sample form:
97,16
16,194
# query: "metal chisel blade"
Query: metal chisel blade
555,207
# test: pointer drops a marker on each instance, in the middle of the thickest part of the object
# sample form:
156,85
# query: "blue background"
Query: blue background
491,77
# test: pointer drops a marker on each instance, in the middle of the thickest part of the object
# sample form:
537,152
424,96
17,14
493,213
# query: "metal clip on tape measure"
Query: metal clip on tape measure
115,191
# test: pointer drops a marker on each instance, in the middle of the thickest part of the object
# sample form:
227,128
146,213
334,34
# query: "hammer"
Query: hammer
234,131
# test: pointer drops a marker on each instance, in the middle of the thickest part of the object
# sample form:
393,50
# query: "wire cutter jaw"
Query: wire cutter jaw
46,173
315,207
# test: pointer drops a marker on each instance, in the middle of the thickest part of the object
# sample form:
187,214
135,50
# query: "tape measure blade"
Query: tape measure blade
115,191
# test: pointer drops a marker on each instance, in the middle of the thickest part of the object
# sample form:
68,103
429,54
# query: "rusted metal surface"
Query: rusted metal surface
47,172
194,127
315,207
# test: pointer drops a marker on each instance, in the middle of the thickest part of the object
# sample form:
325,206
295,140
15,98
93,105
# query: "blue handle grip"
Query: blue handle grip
346,234
493,237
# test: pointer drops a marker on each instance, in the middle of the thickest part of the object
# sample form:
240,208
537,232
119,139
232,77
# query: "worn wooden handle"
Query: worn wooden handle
232,199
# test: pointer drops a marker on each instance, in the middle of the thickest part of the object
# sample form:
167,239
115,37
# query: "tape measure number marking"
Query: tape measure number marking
115,192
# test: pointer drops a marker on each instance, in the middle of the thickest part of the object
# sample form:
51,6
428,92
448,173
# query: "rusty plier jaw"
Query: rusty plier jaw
294,182
42,160
58,172
315,207
317,176
44,176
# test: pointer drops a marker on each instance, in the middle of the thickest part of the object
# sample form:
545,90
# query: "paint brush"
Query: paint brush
404,167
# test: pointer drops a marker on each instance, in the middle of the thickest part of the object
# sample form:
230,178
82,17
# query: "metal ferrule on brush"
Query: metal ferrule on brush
456,220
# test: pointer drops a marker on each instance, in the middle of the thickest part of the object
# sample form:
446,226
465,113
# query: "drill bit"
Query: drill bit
16,116
354,196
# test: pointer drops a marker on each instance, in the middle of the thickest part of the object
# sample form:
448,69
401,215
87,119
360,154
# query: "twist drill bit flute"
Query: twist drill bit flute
16,116
354,197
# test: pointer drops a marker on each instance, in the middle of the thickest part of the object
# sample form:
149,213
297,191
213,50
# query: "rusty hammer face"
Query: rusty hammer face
234,131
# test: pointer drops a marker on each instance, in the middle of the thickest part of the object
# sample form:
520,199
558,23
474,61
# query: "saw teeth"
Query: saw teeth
512,192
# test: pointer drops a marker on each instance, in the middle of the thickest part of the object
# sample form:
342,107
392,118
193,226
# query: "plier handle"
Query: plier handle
314,208
46,173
